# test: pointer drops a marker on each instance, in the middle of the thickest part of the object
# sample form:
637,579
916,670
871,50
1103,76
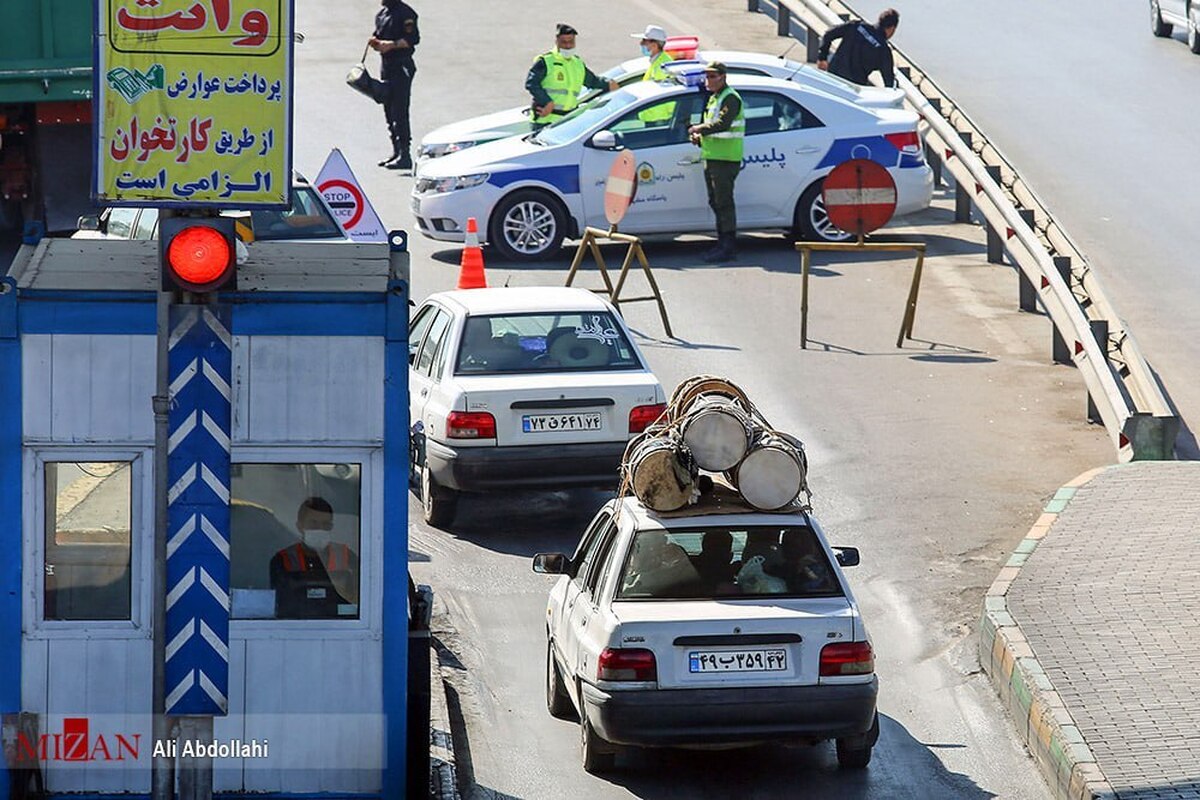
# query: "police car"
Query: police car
530,192
707,628
513,121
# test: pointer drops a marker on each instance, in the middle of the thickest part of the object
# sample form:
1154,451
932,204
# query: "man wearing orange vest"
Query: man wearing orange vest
315,578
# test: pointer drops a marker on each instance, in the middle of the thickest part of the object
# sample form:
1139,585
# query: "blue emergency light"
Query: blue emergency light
689,74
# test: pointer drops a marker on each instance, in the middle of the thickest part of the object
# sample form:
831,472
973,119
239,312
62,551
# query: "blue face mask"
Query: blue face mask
646,50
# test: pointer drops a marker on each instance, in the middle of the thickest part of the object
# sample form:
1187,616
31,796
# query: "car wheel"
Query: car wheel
557,701
1157,26
855,752
1193,31
811,222
528,225
438,504
598,756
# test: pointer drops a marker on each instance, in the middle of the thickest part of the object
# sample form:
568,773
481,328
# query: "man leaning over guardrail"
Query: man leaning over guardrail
863,49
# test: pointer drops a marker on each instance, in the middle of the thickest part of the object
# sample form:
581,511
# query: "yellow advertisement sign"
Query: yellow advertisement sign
194,102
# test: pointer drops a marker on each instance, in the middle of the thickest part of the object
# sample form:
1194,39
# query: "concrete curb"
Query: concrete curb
443,774
1038,712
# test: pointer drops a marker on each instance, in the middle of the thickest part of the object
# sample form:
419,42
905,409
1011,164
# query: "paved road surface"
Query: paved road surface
933,459
1099,116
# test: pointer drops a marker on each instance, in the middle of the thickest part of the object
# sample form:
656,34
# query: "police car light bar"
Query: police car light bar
691,74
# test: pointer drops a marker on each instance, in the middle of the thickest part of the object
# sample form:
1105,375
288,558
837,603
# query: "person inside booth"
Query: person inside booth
315,578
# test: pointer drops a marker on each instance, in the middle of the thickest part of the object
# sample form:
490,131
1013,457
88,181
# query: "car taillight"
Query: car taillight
470,425
847,658
908,142
641,416
626,664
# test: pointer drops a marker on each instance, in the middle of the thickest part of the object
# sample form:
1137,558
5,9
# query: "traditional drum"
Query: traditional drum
718,431
773,473
661,472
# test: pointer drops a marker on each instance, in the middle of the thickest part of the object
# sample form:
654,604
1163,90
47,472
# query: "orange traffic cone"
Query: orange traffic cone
471,275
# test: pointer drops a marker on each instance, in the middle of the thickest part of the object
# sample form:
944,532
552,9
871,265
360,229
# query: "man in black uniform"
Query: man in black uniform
396,36
863,50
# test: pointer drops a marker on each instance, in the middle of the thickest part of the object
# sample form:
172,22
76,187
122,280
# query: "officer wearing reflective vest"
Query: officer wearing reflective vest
558,76
721,137
653,40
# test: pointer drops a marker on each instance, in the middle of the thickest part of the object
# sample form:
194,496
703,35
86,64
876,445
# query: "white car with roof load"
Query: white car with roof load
707,629
531,192
522,388
517,121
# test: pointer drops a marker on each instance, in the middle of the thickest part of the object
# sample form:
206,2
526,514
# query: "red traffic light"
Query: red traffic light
198,255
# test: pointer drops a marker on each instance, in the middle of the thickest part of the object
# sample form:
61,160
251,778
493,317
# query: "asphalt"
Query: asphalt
1087,635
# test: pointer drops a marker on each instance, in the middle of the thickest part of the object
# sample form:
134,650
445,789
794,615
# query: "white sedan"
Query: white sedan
531,192
716,629
522,388
516,121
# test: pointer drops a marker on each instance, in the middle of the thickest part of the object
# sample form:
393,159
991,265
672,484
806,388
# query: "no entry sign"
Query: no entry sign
860,196
620,188
346,200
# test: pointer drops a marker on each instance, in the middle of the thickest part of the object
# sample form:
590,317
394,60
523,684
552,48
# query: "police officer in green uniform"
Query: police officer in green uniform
721,137
557,77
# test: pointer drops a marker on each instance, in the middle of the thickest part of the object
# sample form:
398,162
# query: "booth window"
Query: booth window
88,540
295,540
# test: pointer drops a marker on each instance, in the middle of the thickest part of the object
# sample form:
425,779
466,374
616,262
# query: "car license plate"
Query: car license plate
738,661
548,423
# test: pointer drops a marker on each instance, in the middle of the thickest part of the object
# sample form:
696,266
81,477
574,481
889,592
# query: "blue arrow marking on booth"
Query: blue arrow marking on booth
200,365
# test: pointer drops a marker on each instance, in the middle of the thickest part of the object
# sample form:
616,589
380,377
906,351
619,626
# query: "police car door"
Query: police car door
784,143
670,193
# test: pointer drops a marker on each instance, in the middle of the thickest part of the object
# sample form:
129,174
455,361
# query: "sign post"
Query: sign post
619,192
859,197
193,114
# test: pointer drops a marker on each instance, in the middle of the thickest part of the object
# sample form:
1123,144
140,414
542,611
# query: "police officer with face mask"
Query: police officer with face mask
558,76
315,578
396,37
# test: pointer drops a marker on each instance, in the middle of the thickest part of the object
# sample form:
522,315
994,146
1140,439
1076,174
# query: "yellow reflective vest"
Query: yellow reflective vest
725,145
563,82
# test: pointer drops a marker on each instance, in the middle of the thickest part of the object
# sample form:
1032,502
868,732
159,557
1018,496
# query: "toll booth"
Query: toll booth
314,699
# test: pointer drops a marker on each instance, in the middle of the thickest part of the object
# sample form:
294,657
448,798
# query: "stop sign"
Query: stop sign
860,196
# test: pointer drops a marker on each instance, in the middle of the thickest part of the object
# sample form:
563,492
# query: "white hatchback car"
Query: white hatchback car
516,121
707,629
522,388
531,192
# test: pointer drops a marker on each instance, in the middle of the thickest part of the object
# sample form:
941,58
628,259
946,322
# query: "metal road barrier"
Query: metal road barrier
1123,393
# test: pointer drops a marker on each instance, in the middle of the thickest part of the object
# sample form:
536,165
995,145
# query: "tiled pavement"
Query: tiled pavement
1091,634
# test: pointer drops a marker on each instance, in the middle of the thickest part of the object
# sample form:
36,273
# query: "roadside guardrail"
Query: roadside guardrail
1123,393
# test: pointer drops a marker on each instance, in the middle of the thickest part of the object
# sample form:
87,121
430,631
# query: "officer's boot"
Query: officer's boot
403,160
726,249
395,154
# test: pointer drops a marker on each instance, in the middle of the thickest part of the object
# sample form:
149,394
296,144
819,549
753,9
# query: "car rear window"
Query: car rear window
534,343
727,562
306,219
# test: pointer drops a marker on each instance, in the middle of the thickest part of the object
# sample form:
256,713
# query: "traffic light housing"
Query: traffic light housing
197,254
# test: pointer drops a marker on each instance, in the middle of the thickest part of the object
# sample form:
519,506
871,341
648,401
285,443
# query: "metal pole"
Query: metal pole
784,18
995,244
162,768
1100,331
812,44
962,193
805,257
1058,345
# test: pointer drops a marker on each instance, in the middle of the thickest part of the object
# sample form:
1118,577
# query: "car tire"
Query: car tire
598,756
438,504
1157,26
528,225
855,752
810,220
1193,29
558,703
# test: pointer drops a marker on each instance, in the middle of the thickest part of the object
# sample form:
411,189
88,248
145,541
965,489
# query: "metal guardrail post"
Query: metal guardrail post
420,603
962,195
812,44
1058,347
995,243
752,6
784,18
1100,331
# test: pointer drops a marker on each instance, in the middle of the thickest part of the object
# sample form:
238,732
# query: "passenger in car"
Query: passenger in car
714,562
803,565
660,568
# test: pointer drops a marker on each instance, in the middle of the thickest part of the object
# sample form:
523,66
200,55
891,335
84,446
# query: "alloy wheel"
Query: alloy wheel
529,227
825,229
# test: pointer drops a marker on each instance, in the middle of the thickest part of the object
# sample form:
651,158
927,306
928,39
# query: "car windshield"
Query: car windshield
717,562
547,342
306,219
583,119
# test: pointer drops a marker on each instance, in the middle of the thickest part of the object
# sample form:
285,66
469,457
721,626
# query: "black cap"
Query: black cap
566,30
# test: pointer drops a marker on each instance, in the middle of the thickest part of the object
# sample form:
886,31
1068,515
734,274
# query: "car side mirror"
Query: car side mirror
551,563
848,556
605,140
89,223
